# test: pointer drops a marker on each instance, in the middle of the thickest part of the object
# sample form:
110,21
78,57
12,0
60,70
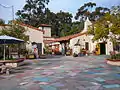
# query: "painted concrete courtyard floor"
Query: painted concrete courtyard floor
63,73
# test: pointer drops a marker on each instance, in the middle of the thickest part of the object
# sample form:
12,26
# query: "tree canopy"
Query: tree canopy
35,13
15,31
87,11
115,10
2,22
106,27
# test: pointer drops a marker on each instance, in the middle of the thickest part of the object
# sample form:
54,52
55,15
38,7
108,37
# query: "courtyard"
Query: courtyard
63,73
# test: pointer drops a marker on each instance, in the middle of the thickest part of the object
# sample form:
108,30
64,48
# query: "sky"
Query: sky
54,5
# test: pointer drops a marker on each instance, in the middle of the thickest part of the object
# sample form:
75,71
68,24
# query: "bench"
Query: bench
5,68
6,65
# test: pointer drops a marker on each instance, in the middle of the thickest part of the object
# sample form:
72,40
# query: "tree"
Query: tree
61,23
33,12
2,22
76,27
115,10
15,31
86,11
107,27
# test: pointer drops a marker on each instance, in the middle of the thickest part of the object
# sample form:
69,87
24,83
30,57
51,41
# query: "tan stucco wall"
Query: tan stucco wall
34,36
47,31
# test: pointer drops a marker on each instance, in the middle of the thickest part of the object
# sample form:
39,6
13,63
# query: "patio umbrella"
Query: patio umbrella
4,39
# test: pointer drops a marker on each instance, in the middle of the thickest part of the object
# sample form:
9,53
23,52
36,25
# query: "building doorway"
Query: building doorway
39,46
102,48
86,45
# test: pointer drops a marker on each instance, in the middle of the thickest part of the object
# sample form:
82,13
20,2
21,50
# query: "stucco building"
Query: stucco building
34,34
83,40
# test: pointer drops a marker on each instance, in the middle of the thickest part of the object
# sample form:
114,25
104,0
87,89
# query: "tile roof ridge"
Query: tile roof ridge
69,36
29,26
47,25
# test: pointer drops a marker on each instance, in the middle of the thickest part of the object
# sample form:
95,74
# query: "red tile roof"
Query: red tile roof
22,24
30,27
48,41
46,37
68,37
45,25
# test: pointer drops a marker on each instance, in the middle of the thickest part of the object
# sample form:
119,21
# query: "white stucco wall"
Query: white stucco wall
109,47
88,38
83,39
87,23
34,36
92,46
47,31
48,38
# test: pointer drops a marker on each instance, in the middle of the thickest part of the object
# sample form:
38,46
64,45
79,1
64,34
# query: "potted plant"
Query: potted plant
114,59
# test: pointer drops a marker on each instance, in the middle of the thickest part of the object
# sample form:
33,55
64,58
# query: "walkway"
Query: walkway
63,73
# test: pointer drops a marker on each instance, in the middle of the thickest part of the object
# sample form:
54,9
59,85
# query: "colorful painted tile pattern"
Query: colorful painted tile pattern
63,73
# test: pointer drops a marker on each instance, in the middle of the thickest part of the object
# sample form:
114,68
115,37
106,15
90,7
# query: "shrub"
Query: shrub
75,55
116,56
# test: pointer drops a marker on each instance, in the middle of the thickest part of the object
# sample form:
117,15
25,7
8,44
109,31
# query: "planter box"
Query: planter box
43,57
12,63
30,56
113,62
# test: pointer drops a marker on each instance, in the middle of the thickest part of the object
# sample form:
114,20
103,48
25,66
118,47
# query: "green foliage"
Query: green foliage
15,31
47,50
115,10
106,27
18,32
62,23
115,57
86,11
33,12
76,27
2,22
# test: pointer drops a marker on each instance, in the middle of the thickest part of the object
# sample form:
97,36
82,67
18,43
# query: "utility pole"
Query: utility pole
13,12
